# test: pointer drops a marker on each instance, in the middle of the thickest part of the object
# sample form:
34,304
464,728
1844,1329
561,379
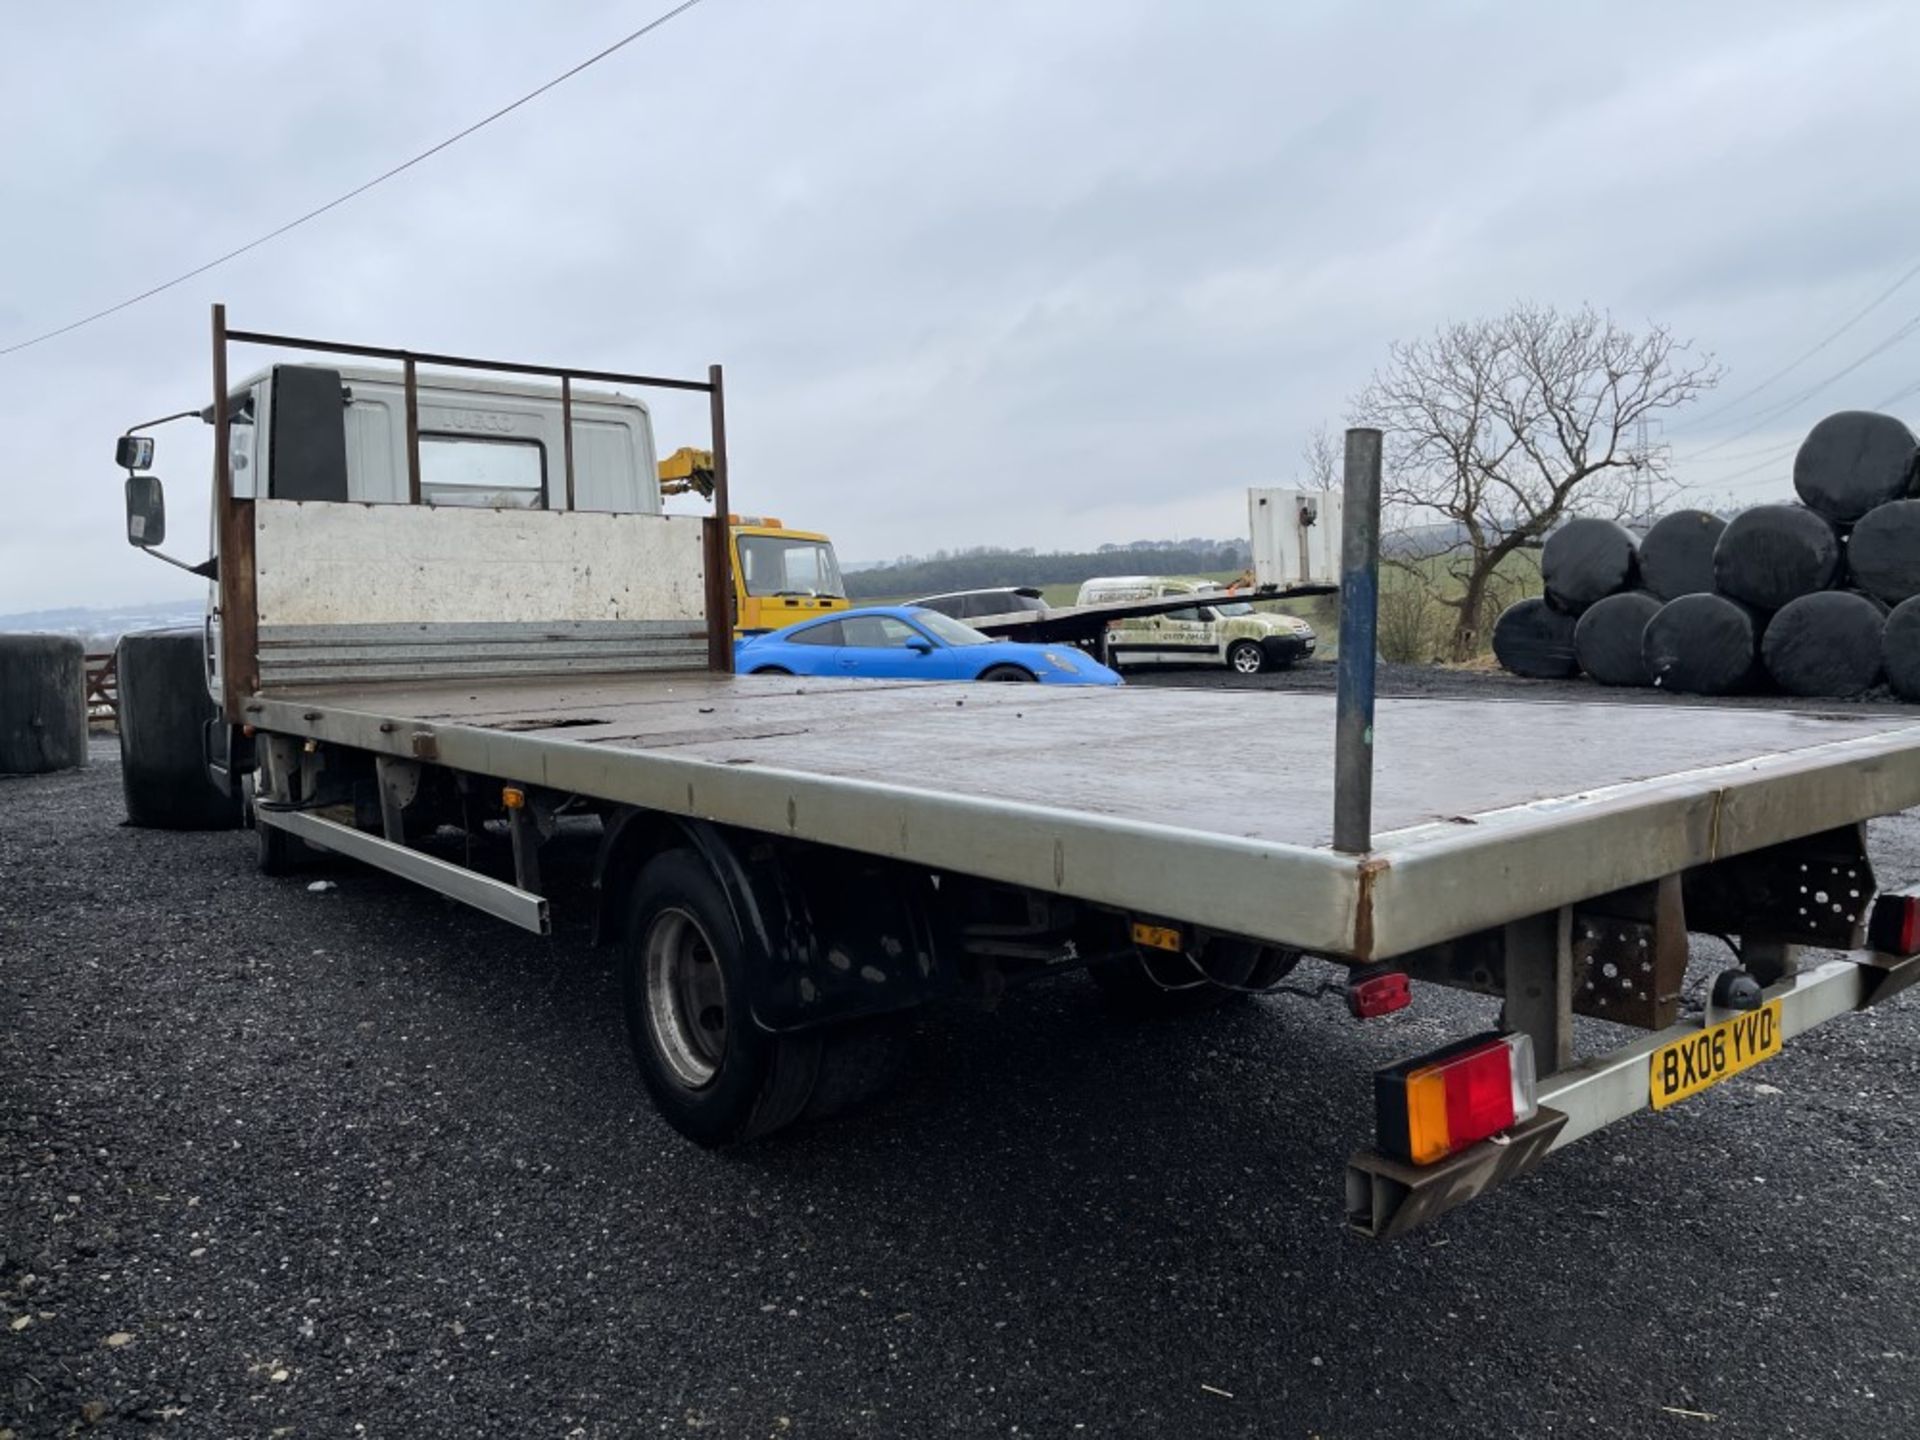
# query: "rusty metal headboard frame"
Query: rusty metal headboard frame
240,638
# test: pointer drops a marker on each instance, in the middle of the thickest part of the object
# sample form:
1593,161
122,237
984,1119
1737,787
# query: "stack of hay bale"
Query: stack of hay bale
1820,598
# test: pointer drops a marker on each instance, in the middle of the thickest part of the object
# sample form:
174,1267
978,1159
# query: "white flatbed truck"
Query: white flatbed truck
790,865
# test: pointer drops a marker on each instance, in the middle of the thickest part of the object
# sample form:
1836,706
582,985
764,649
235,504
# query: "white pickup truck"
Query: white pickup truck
451,605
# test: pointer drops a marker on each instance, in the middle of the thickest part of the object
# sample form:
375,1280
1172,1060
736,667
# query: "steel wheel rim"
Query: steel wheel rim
686,998
1246,660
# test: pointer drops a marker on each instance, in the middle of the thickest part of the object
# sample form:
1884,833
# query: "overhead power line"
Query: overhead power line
1765,417
1794,364
358,190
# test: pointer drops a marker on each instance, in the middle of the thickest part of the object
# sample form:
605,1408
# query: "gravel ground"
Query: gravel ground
277,1162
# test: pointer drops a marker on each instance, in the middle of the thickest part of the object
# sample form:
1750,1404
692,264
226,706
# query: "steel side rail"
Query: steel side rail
1386,1197
456,882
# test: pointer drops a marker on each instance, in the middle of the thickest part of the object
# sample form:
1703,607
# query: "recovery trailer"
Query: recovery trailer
789,866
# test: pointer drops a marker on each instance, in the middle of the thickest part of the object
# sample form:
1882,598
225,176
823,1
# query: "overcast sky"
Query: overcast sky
1046,273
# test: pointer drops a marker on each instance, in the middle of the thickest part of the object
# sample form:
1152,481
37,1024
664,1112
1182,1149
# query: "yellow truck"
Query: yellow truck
780,576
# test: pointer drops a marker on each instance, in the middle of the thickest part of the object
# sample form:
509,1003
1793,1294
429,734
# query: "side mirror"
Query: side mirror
134,452
146,509
920,647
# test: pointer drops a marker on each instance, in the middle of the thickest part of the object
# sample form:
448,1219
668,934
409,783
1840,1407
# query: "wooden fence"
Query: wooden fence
103,689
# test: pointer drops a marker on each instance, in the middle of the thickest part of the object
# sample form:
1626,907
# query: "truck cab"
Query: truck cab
781,576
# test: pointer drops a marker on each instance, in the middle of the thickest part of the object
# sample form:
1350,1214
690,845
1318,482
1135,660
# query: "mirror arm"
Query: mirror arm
177,415
208,569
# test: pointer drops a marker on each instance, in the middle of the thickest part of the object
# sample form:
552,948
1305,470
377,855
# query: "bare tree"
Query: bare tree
1498,429
1320,460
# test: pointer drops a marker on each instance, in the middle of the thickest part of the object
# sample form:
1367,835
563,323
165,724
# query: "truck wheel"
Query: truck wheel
164,707
715,1075
1245,657
1157,985
1008,673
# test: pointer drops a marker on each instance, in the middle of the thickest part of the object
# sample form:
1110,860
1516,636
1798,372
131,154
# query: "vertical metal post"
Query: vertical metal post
1539,985
566,428
233,527
1359,603
720,547
413,434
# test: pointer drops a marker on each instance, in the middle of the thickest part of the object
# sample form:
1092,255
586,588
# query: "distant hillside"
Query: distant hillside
984,569
101,625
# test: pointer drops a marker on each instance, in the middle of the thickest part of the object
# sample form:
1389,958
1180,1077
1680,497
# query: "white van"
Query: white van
1218,629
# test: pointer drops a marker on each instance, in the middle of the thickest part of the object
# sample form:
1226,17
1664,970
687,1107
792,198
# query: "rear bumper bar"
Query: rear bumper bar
1386,1197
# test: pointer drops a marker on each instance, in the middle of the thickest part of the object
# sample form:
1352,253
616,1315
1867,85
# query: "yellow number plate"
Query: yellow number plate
1685,1067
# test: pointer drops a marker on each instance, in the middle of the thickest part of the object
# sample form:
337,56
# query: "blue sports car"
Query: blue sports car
904,642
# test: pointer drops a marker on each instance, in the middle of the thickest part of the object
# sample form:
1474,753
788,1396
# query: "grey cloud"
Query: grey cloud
1049,273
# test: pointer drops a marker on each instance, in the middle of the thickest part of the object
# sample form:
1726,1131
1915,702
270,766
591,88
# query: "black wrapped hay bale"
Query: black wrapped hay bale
1900,649
43,704
1587,560
164,708
1704,645
1607,641
1773,554
1676,555
1825,644
1533,639
1883,553
1853,461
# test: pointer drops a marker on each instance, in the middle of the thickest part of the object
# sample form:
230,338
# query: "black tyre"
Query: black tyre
771,670
1009,673
1273,966
858,1063
164,710
43,704
1245,657
1161,985
717,1077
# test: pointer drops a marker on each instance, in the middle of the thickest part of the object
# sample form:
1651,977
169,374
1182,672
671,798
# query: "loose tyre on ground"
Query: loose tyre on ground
164,708
1773,554
1826,644
1853,461
1883,553
1705,645
43,704
1533,639
1676,555
1586,560
1607,641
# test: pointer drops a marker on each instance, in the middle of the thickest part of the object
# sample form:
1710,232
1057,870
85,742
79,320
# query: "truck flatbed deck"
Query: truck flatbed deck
1485,811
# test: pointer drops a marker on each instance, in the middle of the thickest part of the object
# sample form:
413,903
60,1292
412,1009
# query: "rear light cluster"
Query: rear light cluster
1426,1109
1894,926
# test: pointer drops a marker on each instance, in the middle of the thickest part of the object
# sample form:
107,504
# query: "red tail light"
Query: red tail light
1380,993
1426,1109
